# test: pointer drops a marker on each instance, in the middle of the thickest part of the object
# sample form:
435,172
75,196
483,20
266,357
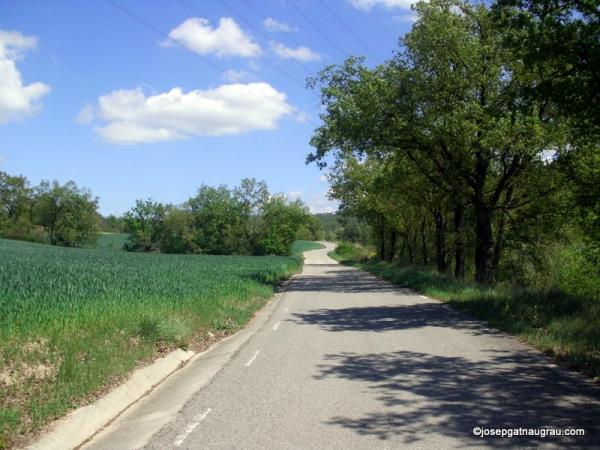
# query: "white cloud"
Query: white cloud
86,115
277,26
238,76
228,39
16,99
135,118
323,178
406,18
302,54
319,203
366,5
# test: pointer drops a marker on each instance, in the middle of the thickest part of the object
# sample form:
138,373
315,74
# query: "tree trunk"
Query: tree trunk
483,245
391,247
423,243
459,243
381,240
440,242
498,245
411,252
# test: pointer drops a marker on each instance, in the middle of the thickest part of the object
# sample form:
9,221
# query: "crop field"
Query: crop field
304,246
111,241
75,321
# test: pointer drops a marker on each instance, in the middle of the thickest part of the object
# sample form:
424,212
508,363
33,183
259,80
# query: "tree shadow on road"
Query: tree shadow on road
344,281
378,319
423,394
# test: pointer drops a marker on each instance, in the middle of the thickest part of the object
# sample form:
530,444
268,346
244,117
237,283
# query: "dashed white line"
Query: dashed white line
191,427
422,296
276,326
251,360
287,308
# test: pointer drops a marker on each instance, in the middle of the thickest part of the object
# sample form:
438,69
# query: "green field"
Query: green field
73,321
304,246
111,241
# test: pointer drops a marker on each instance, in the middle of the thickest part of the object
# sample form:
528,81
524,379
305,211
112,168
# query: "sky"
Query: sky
153,98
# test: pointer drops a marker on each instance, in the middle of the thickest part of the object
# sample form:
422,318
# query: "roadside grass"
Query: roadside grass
300,247
74,322
564,326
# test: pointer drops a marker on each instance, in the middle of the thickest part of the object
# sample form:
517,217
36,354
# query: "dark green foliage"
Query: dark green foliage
281,221
220,221
144,224
453,151
50,212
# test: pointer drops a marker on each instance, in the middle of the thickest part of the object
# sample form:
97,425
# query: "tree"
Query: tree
145,224
450,106
178,233
218,221
68,214
16,205
281,221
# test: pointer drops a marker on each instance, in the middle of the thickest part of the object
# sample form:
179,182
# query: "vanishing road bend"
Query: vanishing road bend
346,360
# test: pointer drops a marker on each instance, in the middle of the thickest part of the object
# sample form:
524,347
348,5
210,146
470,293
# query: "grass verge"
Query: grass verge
566,327
75,322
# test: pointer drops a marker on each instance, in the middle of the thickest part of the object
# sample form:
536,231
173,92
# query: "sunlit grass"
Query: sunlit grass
75,320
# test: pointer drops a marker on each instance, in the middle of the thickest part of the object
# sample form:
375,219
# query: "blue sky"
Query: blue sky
137,99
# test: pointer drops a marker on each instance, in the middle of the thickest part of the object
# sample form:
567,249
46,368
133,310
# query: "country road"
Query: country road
345,360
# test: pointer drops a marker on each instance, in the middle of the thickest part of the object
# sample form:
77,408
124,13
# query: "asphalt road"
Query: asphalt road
346,360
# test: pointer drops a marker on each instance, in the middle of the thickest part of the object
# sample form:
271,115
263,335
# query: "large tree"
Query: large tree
450,104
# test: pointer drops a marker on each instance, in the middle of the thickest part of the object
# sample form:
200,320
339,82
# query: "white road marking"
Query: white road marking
276,326
287,308
253,358
191,427
422,296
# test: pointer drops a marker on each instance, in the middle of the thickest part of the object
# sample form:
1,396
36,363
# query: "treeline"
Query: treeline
246,220
475,148
49,212
338,227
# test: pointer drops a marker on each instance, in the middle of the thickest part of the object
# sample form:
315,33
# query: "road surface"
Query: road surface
346,360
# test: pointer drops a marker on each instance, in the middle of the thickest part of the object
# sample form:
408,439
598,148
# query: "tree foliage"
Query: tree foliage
50,212
219,220
448,150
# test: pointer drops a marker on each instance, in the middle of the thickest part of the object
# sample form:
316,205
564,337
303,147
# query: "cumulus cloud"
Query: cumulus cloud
406,18
366,5
302,54
238,76
134,118
86,115
277,26
17,100
228,39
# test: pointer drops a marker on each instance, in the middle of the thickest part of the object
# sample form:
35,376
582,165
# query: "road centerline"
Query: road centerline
251,360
